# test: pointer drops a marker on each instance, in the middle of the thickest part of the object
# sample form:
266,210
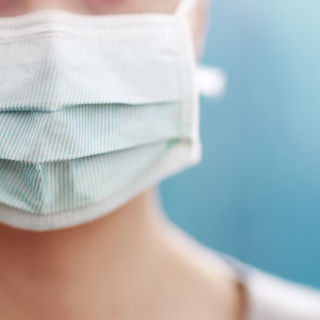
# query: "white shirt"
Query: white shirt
272,298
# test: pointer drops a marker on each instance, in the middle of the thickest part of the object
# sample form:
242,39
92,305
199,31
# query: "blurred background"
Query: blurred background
256,194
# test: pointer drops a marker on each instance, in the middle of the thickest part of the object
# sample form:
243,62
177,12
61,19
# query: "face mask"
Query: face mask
93,110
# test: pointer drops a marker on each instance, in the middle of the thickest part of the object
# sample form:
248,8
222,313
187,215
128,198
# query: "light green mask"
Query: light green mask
93,109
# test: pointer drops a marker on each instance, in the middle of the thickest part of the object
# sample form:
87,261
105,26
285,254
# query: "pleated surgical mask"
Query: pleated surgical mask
93,109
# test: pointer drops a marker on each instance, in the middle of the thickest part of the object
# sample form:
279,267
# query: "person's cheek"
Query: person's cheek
198,21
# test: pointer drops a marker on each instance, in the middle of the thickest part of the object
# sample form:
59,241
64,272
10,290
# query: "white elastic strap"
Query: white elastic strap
211,81
185,6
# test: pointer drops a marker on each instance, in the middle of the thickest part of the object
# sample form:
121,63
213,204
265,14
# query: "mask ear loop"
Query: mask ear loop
211,81
185,7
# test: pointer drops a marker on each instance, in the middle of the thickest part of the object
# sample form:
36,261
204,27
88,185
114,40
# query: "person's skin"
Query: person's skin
132,264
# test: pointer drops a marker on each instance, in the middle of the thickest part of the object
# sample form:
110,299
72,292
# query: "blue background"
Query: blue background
256,194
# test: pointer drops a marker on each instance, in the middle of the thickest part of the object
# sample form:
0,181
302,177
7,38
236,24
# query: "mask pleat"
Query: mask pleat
59,186
57,68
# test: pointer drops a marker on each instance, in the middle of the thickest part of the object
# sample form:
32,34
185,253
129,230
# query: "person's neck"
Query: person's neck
113,249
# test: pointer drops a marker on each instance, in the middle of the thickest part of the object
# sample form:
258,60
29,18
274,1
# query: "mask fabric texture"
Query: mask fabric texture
93,109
